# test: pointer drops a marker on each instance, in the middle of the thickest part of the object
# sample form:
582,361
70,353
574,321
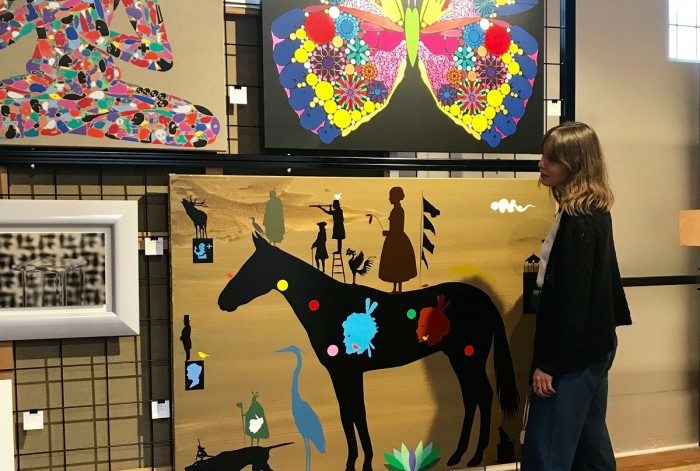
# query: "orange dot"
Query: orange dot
229,275
469,350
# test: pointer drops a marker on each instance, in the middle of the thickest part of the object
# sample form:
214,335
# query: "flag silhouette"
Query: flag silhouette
430,209
427,225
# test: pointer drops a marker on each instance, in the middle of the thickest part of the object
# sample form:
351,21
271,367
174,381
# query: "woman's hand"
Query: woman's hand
542,384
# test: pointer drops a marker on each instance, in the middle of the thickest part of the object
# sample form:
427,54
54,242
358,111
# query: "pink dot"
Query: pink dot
469,350
332,350
451,44
313,305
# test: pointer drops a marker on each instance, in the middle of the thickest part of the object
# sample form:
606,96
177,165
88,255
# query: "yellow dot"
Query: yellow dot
513,68
521,52
312,104
300,33
337,41
292,36
471,76
330,107
312,79
342,118
489,112
369,106
324,91
349,69
479,123
356,115
467,119
505,89
454,110
309,45
495,98
507,58
501,2
482,51
513,48
301,55
282,285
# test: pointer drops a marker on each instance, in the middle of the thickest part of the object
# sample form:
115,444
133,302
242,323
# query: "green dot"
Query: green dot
411,314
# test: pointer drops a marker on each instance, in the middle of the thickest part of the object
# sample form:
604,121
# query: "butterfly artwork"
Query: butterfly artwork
344,63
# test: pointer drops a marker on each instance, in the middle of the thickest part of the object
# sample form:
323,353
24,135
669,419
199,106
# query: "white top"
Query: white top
547,249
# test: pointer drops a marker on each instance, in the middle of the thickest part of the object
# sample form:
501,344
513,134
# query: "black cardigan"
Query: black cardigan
582,299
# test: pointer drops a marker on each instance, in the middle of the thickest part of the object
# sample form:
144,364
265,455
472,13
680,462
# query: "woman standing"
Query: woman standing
581,303
398,260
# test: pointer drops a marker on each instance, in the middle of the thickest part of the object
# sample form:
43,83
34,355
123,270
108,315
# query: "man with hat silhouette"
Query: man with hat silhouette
186,336
320,246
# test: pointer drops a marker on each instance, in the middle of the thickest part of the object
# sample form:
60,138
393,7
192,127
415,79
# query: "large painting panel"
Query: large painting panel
390,309
454,76
106,73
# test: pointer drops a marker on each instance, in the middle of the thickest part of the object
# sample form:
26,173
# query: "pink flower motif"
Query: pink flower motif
327,62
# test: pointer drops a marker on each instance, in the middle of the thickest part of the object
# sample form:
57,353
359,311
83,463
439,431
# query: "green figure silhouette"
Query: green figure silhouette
274,219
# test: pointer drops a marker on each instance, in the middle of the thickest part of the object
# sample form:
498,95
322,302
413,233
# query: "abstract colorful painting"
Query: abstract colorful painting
410,75
79,79
351,323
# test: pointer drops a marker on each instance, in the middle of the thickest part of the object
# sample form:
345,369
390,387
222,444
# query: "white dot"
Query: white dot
334,12
484,23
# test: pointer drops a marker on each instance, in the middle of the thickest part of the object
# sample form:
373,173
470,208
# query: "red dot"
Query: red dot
469,350
319,27
497,40
313,305
229,275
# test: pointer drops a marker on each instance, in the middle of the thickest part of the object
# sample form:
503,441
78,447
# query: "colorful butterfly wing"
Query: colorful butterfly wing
480,70
339,63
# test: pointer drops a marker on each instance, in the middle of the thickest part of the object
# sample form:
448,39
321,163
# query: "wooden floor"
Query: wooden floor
679,460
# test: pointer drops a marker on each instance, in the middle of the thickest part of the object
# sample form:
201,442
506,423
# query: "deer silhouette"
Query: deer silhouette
198,217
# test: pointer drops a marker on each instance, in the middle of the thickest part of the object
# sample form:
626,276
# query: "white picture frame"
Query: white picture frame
119,315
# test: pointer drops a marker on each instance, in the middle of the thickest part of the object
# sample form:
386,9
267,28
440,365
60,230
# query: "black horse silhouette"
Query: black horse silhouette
323,305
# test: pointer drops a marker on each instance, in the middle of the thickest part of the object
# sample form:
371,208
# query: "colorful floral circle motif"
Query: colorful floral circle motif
485,8
454,76
471,98
491,71
464,58
473,35
335,2
347,26
350,92
369,71
357,51
327,62
377,91
446,94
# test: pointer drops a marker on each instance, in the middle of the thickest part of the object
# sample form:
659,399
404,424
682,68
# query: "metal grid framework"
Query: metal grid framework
96,393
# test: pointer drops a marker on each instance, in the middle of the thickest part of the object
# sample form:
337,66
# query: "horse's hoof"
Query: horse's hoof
454,459
476,460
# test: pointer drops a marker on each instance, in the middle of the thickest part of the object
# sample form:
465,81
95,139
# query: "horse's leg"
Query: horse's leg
361,424
484,399
344,391
470,397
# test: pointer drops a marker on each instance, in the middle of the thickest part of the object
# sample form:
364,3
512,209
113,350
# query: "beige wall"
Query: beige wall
646,111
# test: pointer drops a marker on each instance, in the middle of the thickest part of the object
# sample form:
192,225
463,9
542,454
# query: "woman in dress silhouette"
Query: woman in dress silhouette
398,260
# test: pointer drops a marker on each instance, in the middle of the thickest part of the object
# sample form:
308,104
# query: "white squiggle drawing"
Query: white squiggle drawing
504,205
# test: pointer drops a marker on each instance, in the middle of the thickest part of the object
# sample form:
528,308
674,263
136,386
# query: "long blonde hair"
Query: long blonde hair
576,146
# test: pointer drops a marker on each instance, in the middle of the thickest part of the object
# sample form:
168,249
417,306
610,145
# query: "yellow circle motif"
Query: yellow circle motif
494,98
369,106
513,68
337,41
282,285
312,79
356,115
324,91
454,110
293,37
301,34
300,55
309,45
505,89
471,75
506,58
513,48
482,51
501,2
349,69
467,119
489,112
330,107
342,118
479,123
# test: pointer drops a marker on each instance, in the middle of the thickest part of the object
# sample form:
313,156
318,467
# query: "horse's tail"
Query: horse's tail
503,364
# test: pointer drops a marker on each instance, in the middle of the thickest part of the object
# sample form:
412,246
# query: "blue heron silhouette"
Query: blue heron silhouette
305,419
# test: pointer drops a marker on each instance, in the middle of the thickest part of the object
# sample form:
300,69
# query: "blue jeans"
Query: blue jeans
567,431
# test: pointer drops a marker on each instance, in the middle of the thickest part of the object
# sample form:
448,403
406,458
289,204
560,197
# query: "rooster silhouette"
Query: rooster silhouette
357,267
